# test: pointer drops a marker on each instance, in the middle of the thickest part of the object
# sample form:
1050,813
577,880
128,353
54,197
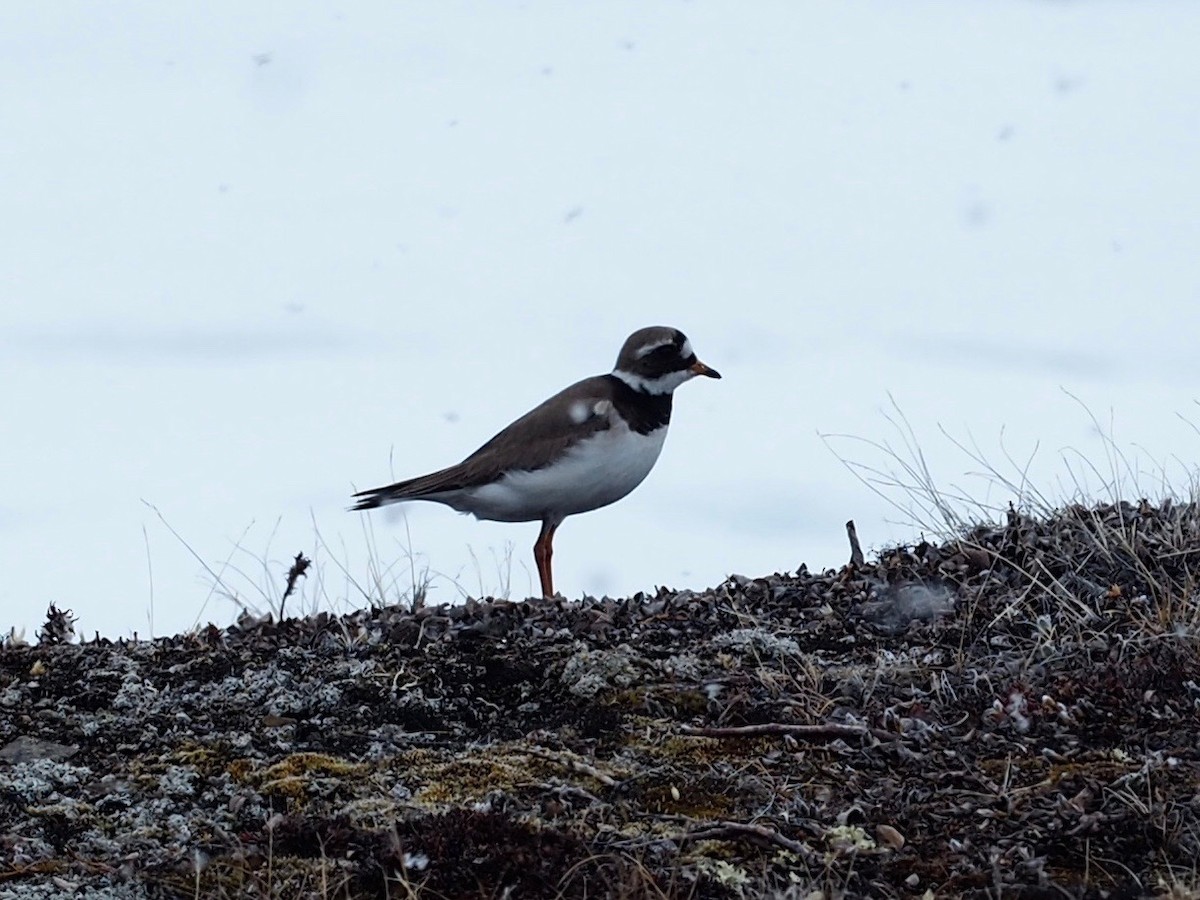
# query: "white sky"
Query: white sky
256,256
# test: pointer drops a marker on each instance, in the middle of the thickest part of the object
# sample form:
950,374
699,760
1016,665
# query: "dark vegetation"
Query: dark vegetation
1012,713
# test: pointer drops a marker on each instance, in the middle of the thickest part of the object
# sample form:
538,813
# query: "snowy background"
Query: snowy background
253,257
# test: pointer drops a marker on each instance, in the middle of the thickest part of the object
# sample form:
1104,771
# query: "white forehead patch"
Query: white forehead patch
685,351
650,348
579,412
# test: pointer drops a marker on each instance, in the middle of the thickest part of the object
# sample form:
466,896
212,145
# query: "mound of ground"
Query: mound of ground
1011,713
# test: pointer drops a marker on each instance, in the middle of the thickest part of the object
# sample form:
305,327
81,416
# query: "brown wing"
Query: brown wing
531,442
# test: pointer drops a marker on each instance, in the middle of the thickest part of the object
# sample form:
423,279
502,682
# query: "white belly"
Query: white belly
595,473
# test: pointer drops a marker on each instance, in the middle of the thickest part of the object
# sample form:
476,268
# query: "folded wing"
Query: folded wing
531,442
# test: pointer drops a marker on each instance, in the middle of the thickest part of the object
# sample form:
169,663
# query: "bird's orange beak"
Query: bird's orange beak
699,368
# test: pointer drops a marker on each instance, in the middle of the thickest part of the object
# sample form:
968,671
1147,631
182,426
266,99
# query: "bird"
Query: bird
586,447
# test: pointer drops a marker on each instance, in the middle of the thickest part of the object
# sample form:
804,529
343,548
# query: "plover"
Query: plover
584,448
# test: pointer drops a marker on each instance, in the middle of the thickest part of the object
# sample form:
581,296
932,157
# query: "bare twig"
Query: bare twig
723,830
755,834
564,790
814,732
856,554
575,766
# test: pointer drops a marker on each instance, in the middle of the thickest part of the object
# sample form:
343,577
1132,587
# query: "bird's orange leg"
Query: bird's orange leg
543,550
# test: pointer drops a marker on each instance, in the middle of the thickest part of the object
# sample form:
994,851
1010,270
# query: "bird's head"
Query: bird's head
657,360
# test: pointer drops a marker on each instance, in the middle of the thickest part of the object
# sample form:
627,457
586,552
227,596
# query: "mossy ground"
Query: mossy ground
1029,729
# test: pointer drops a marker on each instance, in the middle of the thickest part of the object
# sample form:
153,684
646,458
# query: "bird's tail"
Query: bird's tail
421,488
381,496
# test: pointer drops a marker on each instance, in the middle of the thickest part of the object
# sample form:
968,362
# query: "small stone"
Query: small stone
27,749
890,836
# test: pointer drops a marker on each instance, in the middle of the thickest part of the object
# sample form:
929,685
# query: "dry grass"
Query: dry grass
1053,590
